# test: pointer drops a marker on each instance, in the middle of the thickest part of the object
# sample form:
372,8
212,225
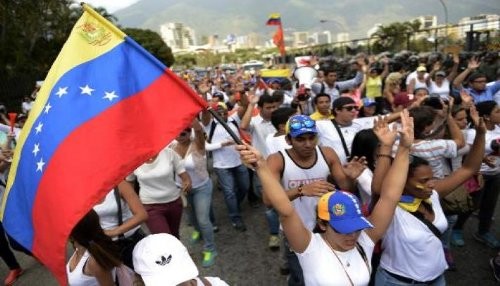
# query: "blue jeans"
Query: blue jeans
200,199
234,183
272,221
446,237
271,215
382,278
296,277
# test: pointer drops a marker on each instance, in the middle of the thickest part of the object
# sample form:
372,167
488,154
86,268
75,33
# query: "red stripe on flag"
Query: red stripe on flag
99,154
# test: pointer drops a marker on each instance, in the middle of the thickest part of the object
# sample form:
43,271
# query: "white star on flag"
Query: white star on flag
38,128
87,90
62,91
36,149
39,165
47,107
110,95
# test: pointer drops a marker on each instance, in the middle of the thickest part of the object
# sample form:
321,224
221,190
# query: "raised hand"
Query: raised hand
473,63
317,188
355,167
250,157
474,115
406,132
385,135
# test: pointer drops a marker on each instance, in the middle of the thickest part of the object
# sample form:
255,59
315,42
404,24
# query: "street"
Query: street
244,258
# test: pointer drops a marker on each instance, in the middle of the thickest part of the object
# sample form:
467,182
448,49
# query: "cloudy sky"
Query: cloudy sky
110,5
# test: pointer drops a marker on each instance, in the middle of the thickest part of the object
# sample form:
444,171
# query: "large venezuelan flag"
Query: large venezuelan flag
105,107
274,19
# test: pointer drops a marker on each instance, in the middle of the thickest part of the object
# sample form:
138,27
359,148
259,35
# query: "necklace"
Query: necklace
340,261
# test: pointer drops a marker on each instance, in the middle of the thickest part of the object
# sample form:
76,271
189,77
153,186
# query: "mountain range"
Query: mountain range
223,17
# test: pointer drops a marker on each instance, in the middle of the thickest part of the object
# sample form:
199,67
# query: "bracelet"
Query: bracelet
299,189
384,155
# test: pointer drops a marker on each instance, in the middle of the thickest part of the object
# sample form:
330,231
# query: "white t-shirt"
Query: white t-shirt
365,185
411,249
412,75
157,179
434,151
490,136
328,135
227,156
321,267
260,129
443,90
108,213
276,143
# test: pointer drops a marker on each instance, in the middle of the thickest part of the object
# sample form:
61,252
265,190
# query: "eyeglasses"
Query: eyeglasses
350,108
296,124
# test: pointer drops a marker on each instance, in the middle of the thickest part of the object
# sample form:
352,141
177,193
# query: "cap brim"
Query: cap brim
351,225
303,131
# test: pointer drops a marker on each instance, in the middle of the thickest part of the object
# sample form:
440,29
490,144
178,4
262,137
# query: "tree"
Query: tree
153,43
395,36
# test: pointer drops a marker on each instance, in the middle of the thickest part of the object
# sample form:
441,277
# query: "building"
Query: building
342,37
177,36
300,39
427,22
321,38
479,23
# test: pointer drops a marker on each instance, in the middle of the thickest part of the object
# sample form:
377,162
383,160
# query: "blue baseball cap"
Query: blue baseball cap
369,102
342,210
300,124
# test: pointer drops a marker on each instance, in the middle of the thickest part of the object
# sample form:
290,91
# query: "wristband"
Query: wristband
299,189
384,155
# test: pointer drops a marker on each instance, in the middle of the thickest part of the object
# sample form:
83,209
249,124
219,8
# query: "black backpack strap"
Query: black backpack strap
119,205
341,138
429,224
363,255
211,132
322,90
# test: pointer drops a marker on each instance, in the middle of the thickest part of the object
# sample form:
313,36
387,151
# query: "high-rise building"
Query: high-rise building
300,39
177,36
481,22
321,38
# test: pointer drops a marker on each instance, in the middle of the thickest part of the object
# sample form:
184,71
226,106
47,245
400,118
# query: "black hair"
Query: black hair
265,98
365,144
486,107
423,116
416,162
315,99
278,95
281,116
88,233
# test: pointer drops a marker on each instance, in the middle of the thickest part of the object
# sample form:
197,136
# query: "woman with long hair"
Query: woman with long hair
341,253
192,151
95,258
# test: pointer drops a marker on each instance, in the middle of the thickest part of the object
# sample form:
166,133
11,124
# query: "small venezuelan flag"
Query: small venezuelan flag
274,19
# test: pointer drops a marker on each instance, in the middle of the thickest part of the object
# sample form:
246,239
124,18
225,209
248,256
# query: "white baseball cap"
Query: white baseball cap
161,259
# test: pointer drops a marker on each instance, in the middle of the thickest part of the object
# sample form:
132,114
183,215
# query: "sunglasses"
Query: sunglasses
296,124
350,108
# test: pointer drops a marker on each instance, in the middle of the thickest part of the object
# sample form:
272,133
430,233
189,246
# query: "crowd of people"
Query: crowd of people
368,174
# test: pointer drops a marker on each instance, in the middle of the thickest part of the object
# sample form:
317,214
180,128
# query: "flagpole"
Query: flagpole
219,119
